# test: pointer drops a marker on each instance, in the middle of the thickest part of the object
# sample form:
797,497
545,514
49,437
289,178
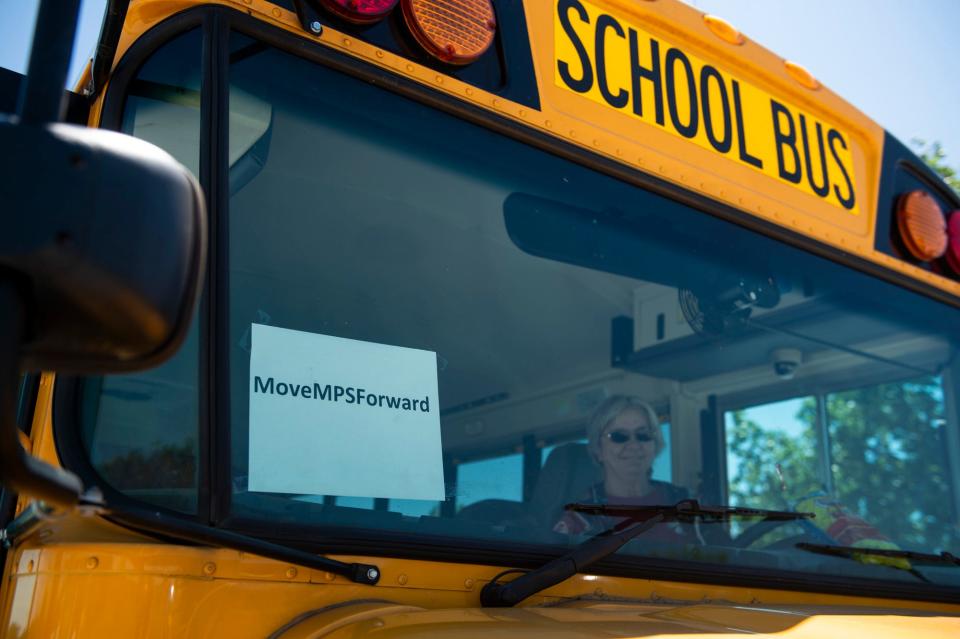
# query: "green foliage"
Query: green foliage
935,157
773,466
161,467
889,466
889,463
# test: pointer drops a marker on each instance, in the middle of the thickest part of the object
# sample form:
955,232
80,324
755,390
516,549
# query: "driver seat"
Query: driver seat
567,476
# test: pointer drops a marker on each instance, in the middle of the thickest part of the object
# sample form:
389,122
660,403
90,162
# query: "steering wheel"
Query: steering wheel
757,531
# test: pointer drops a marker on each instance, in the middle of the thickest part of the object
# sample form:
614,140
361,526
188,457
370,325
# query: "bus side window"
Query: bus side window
142,430
498,478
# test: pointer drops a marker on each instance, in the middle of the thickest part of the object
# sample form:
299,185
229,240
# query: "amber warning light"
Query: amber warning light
454,32
922,226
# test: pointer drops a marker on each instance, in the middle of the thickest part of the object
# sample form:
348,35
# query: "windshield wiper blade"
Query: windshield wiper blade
688,510
636,521
943,559
497,595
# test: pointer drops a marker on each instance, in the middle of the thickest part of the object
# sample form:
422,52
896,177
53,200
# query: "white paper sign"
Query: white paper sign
335,416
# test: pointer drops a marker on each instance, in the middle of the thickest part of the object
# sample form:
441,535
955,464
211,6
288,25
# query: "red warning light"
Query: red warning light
953,243
360,11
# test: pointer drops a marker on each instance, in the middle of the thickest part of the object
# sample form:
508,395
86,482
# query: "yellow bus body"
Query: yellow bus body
80,576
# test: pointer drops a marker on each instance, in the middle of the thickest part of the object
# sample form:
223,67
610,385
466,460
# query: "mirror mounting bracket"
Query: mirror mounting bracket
21,471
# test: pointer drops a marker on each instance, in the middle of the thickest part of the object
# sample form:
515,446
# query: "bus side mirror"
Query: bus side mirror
102,253
104,238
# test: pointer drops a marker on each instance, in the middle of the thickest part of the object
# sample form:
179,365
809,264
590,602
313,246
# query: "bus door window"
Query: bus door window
141,430
771,454
879,453
888,449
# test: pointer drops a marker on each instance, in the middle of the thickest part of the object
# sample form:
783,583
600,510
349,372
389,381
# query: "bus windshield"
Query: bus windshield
590,341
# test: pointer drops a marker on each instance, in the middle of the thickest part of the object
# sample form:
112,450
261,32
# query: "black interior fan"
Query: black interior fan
726,307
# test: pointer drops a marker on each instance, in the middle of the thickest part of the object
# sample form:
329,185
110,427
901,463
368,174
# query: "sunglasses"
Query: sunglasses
622,436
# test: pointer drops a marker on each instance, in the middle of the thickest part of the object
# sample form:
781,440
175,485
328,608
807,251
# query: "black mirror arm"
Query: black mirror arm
20,471
41,97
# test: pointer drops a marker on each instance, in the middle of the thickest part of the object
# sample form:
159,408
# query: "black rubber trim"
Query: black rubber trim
111,115
215,174
372,542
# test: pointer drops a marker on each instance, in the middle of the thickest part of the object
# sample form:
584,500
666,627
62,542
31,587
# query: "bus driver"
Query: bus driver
624,438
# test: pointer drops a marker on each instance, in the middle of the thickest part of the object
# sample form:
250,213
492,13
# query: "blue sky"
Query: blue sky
890,58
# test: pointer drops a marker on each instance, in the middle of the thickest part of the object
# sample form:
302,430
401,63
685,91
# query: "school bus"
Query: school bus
558,318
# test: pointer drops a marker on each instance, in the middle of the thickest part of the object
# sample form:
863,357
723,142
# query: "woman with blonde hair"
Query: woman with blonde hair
624,438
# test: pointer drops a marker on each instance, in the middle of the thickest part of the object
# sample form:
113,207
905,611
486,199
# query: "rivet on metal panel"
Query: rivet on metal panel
291,572
379,53
522,113
209,568
402,579
573,133
548,124
329,576
346,42
495,102
596,143
469,91
277,13
410,68
439,79
92,563
468,583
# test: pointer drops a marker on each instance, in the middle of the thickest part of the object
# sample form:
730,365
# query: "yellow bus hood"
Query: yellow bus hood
583,619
